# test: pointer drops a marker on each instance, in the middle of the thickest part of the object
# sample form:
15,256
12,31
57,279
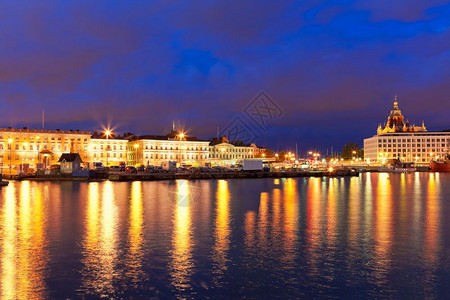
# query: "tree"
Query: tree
352,150
281,156
266,153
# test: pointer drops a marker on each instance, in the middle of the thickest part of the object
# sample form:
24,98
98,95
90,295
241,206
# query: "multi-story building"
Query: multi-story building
39,148
109,150
176,146
224,153
399,140
30,147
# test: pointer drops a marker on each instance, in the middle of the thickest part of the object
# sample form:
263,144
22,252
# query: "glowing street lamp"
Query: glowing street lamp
107,134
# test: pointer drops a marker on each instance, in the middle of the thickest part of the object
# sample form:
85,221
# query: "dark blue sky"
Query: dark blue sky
333,66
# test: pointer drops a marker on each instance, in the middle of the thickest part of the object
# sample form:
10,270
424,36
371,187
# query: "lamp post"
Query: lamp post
10,155
181,136
107,134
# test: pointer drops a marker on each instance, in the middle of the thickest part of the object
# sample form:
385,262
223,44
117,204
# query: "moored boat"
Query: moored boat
440,165
398,167
2,182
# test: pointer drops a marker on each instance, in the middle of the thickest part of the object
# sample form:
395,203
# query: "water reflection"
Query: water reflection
383,228
313,219
291,220
100,243
222,230
432,235
354,236
182,264
135,235
23,244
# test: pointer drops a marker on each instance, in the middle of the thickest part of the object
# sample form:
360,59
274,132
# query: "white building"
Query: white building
399,140
409,147
225,153
110,151
176,146
31,147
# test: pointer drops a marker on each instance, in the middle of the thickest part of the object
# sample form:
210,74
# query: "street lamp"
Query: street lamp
181,136
107,134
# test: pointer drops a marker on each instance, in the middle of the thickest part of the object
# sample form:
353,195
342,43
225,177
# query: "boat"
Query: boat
441,165
2,182
398,167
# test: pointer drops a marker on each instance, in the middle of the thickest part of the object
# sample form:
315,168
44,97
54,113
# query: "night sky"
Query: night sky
332,66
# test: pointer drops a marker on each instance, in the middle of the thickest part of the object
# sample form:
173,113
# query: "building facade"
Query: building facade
39,148
110,151
31,147
224,153
399,140
176,146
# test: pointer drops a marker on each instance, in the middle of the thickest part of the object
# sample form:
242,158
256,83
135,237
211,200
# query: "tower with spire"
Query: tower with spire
396,122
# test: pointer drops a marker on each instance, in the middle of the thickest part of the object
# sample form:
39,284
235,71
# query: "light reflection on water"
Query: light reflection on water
377,235
181,266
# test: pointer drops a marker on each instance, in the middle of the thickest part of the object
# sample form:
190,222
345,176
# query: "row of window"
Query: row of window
46,138
38,147
230,156
109,147
419,140
109,155
238,150
418,151
146,147
410,145
172,156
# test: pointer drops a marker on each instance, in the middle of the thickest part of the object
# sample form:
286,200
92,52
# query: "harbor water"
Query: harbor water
377,235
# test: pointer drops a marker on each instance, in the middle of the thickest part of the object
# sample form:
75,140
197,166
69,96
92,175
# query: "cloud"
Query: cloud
329,64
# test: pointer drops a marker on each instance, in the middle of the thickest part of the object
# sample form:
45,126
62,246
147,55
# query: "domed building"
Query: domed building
398,139
396,122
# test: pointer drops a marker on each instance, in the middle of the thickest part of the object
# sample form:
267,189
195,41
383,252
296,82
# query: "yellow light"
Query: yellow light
108,133
10,141
136,146
181,135
330,169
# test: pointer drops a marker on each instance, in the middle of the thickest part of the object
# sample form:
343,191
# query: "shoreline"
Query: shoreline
178,176
124,177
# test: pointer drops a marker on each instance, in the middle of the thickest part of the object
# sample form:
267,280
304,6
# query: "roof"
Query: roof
70,157
223,139
172,136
